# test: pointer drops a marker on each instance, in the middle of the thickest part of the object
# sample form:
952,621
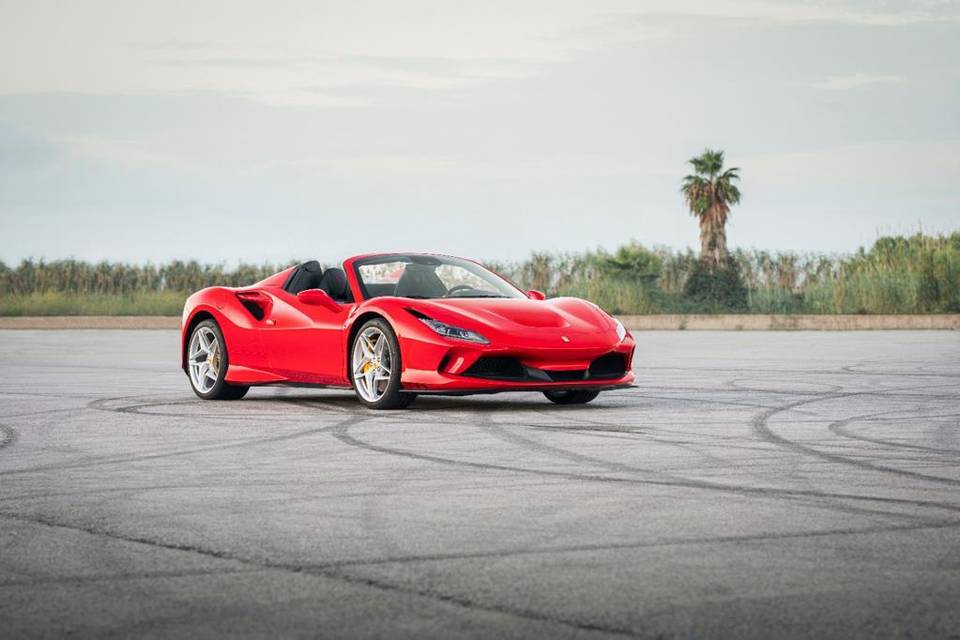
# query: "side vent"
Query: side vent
444,361
255,302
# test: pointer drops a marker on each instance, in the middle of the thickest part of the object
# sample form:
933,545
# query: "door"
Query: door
305,343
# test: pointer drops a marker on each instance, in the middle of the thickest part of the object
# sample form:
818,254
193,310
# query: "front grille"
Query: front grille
566,376
612,365
497,367
608,367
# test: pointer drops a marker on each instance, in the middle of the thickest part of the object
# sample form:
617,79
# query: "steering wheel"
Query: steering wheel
459,287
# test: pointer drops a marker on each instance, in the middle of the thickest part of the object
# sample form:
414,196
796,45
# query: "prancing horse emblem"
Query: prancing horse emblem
565,338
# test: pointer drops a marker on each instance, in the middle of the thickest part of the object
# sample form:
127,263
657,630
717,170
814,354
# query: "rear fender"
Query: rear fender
240,329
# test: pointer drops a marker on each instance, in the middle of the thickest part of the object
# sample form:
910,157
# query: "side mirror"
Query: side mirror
318,298
533,294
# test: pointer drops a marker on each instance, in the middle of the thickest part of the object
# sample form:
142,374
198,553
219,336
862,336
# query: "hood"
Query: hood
521,315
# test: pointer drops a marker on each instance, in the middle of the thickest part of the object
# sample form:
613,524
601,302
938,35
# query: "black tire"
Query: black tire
393,397
221,390
571,396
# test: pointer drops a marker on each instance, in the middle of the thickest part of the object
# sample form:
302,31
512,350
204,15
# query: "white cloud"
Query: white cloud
854,81
913,165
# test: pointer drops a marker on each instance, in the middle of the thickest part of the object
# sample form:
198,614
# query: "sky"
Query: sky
253,131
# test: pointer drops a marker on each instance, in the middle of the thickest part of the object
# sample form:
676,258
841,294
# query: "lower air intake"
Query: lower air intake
497,367
612,365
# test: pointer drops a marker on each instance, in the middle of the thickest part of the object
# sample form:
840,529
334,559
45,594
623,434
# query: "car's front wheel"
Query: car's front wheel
375,367
207,364
580,396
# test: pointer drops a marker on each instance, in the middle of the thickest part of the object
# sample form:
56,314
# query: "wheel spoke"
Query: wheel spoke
371,351
358,367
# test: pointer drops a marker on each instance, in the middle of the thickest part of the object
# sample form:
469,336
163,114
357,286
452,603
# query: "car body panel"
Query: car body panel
292,342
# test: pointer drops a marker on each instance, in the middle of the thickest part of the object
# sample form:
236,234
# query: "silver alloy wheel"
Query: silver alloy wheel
371,363
205,359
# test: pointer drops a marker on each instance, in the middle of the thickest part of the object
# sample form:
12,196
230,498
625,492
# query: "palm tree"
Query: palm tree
709,192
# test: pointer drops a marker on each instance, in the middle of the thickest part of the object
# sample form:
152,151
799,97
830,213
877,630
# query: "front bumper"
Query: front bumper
445,366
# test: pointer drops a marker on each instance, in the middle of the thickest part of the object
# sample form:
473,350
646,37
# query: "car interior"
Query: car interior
311,275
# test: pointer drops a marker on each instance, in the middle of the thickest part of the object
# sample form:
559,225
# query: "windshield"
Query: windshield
419,276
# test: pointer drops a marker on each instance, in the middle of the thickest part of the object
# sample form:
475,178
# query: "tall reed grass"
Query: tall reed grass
898,274
914,274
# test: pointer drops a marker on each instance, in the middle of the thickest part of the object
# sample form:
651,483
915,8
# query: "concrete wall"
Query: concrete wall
762,322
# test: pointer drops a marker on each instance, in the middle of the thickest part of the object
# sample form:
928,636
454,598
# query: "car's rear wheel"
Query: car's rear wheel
570,396
375,367
207,364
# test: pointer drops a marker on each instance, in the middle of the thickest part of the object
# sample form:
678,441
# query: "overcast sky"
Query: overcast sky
268,130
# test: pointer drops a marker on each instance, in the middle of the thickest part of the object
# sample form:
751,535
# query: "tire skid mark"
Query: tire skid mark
44,412
136,408
762,428
58,396
113,460
736,386
124,577
541,447
644,544
341,432
331,572
842,428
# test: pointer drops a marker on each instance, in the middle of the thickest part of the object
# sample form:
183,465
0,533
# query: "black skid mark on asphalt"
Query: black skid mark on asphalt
732,403
329,571
540,447
44,412
341,432
762,428
496,430
643,544
842,428
8,436
114,460
58,396
736,385
101,490
137,408
124,577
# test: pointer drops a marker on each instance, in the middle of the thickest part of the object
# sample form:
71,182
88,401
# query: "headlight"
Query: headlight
621,330
449,331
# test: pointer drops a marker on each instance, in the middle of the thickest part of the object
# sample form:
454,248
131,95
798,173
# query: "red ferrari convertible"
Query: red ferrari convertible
392,326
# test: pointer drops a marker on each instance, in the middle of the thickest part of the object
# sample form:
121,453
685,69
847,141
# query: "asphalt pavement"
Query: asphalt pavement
752,485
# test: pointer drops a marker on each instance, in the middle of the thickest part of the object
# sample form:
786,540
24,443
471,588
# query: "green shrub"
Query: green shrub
716,289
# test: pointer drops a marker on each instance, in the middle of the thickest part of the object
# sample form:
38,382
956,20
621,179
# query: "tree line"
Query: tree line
897,274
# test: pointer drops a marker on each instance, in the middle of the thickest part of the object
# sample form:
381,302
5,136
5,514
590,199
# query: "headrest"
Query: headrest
334,282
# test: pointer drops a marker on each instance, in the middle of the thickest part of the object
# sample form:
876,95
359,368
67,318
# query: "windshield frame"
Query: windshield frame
429,258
